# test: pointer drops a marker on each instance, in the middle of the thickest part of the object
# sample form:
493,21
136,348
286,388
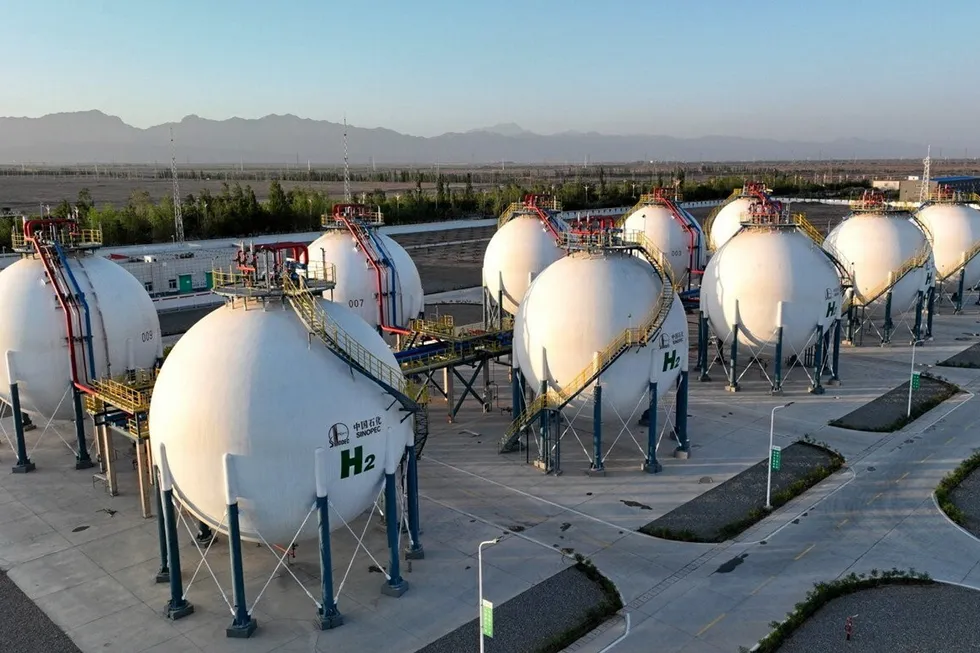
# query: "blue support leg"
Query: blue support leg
835,378
733,370
24,464
243,625
777,377
652,465
163,573
703,337
958,308
683,444
177,607
597,429
328,616
886,335
930,311
816,387
82,459
395,585
415,550
917,330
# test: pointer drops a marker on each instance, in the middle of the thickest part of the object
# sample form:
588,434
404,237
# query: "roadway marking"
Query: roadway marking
926,458
805,551
708,627
764,583
951,439
902,477
843,521
872,499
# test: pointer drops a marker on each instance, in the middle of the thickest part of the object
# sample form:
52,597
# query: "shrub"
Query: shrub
611,603
944,491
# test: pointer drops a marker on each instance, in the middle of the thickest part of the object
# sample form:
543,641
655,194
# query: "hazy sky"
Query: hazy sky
812,70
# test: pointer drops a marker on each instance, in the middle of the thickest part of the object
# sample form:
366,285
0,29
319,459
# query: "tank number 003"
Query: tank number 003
353,462
147,336
677,252
355,303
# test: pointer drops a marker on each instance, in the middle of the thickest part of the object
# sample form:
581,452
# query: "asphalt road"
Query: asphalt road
877,514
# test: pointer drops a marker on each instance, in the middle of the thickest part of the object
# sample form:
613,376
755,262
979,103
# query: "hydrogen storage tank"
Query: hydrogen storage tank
954,232
673,231
249,383
376,277
519,251
579,306
888,277
115,329
727,218
769,276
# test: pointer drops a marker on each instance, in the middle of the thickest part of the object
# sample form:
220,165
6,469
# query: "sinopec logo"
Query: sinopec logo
338,435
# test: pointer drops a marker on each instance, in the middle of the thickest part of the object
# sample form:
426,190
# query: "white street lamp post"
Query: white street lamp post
912,376
479,582
772,425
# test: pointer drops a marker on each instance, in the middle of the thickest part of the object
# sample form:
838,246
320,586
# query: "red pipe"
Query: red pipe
41,222
299,251
28,229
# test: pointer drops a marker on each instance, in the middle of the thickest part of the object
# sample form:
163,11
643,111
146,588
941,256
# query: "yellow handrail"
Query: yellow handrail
130,393
66,238
917,260
967,258
706,227
630,337
335,337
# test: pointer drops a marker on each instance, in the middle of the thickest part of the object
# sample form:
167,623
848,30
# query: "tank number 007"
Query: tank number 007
353,462
355,303
147,336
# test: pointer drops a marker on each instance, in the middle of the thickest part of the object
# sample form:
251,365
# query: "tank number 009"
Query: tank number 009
146,336
355,303
353,462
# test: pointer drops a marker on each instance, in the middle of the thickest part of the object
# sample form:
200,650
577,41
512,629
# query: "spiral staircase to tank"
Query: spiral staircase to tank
555,399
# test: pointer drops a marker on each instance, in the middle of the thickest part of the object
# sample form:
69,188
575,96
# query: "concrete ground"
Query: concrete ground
96,582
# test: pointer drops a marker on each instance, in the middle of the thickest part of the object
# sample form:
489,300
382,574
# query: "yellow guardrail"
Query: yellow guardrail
231,277
520,207
365,215
139,430
64,237
129,393
706,227
630,337
917,260
807,227
442,359
335,337
443,326
967,258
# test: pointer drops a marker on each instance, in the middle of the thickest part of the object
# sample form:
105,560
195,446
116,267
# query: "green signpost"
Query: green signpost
487,618
915,381
777,454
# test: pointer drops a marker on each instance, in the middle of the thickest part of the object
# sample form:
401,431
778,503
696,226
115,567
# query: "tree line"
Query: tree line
235,212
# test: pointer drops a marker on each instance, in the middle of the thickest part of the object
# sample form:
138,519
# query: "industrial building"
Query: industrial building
909,190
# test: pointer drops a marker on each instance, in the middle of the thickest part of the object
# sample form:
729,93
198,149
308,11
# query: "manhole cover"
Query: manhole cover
706,479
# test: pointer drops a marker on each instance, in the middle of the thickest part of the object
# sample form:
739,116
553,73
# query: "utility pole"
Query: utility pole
926,172
347,195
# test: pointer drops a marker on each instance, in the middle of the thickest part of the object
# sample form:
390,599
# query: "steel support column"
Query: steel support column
242,625
597,465
680,419
328,616
652,465
177,607
82,458
415,550
816,387
395,585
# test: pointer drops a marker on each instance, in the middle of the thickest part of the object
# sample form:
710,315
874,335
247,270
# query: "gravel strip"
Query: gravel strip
705,516
966,497
969,357
24,628
532,618
887,412
898,618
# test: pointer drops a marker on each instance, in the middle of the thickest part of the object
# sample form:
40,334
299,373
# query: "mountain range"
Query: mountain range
94,137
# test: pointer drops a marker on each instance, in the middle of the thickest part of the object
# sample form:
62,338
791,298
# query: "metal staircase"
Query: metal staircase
661,197
634,337
536,205
348,349
917,260
357,219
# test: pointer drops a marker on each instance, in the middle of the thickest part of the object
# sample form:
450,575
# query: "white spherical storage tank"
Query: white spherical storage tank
248,383
669,235
760,268
357,280
518,251
954,230
896,241
123,319
728,221
578,306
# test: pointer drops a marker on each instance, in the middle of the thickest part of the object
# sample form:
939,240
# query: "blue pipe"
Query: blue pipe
81,298
386,259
